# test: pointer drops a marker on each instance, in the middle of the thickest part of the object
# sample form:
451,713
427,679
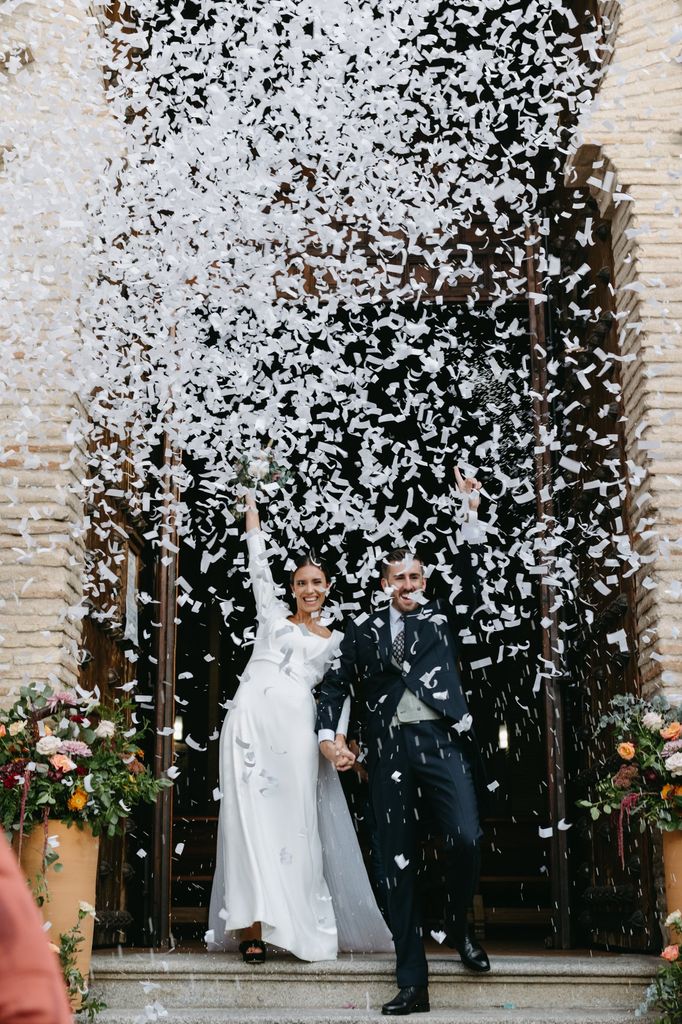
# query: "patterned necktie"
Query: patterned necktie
399,643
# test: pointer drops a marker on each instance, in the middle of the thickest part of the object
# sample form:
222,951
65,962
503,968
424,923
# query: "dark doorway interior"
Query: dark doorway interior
487,378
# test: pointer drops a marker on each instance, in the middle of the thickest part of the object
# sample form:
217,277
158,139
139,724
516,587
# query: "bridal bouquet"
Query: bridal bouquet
643,775
256,473
65,755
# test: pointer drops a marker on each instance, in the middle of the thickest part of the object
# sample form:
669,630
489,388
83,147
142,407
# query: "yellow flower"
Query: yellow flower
667,791
77,800
626,751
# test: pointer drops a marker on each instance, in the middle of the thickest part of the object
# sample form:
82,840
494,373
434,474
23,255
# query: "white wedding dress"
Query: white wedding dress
287,851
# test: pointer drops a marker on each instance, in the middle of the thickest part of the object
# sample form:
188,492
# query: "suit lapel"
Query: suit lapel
411,634
415,623
383,628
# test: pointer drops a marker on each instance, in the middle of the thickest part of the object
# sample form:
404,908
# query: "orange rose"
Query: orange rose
671,953
626,751
667,791
672,731
678,791
3,730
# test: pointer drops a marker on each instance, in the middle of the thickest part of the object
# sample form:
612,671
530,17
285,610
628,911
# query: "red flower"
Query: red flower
12,773
81,770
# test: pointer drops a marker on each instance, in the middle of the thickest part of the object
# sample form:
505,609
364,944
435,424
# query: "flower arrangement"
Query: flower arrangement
65,755
665,992
643,776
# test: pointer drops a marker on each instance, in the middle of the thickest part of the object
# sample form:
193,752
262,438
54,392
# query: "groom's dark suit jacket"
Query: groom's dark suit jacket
365,669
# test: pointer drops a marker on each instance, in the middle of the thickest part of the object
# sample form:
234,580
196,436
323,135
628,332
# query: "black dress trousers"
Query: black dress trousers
425,766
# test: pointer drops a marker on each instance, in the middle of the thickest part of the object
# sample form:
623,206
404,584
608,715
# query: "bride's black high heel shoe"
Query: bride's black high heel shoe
252,951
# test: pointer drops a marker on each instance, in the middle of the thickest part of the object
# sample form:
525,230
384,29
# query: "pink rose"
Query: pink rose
671,953
62,763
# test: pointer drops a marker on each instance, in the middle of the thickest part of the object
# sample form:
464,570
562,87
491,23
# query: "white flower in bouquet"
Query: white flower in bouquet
673,764
674,920
16,727
86,908
652,721
105,730
259,469
48,745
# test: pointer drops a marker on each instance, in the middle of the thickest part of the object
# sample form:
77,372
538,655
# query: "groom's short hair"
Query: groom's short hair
396,556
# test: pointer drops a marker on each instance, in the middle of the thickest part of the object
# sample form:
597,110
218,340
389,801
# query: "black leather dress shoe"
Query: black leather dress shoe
473,956
410,999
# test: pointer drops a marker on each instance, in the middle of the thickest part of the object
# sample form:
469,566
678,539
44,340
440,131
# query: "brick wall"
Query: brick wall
629,154
54,132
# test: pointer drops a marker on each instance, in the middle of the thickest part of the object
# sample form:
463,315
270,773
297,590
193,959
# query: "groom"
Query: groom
402,662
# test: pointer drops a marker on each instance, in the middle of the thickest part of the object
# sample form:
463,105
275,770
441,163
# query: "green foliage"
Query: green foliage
65,755
76,985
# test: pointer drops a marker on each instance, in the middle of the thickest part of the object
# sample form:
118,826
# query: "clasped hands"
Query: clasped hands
338,753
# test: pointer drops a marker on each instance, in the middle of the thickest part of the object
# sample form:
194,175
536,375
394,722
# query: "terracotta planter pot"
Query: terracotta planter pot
75,881
672,864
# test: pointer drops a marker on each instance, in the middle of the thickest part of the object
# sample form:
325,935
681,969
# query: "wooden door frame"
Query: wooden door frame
555,743
164,702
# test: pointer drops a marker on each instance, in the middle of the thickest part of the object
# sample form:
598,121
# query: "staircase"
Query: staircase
203,988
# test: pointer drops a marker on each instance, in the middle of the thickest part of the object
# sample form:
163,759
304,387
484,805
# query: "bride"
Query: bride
289,869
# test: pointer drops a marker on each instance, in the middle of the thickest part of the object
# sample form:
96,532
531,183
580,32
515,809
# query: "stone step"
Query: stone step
322,1016
197,982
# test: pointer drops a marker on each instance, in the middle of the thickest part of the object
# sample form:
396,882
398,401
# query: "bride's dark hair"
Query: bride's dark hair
310,559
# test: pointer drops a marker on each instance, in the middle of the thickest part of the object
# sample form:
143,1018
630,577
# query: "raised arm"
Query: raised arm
262,583
252,518
465,561
470,489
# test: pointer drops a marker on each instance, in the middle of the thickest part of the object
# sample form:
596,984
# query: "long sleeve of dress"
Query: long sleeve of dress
344,718
264,589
